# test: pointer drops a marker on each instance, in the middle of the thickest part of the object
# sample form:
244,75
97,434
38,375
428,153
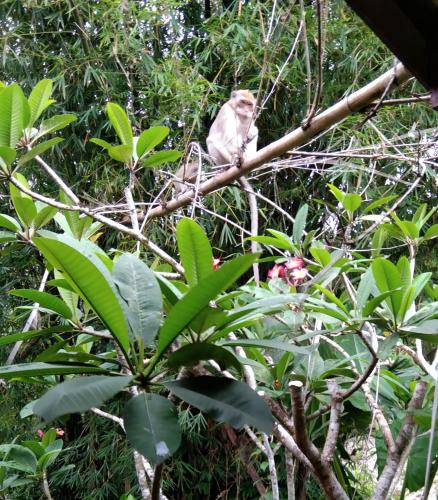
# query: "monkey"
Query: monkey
233,135
232,140
189,171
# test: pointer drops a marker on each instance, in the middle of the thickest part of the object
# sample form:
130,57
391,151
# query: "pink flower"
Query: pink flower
59,432
294,263
277,271
216,264
298,276
40,433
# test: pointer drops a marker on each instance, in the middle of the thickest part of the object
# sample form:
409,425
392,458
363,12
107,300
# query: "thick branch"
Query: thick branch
335,114
323,472
401,443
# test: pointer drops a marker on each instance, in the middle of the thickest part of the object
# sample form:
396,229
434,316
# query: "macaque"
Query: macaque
231,141
233,136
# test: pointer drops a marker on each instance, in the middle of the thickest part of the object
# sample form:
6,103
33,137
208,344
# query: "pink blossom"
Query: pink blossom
216,264
277,271
298,276
59,432
40,433
294,263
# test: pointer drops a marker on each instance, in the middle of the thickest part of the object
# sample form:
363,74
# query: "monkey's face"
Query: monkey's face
244,103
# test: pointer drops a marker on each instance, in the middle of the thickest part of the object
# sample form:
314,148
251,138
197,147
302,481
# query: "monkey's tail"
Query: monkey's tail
254,219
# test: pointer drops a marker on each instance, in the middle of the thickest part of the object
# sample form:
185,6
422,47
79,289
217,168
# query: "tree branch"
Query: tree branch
335,114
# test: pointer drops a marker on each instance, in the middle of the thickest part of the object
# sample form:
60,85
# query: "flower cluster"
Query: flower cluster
292,271
59,432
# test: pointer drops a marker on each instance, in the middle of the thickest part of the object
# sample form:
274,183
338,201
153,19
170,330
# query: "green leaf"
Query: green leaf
408,228
161,157
199,296
15,337
374,302
78,395
225,400
191,354
7,154
6,237
10,223
27,370
90,279
337,193
100,142
151,138
352,202
55,123
139,289
122,153
387,279
151,424
274,242
23,203
45,300
39,99
386,346
404,270
194,250
19,458
432,232
321,255
39,149
270,344
332,297
365,287
378,203
300,223
120,121
14,115
44,216
428,331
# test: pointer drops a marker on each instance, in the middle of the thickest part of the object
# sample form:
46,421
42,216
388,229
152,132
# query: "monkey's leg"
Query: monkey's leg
254,218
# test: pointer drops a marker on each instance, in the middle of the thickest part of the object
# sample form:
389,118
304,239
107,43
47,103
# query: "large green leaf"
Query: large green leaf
39,99
55,123
199,296
121,153
270,344
23,203
352,202
151,138
19,458
7,154
78,395
139,289
387,278
120,121
191,354
194,250
225,400
39,149
14,115
42,369
151,424
45,300
15,337
7,236
427,330
300,223
90,279
9,223
161,157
